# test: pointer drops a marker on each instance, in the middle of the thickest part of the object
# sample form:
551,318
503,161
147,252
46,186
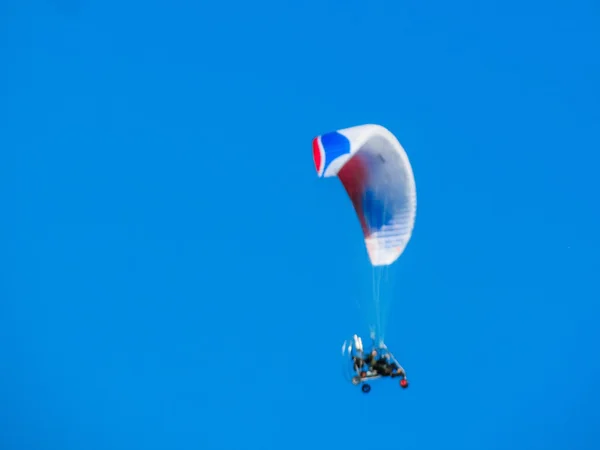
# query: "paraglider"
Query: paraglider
371,365
377,175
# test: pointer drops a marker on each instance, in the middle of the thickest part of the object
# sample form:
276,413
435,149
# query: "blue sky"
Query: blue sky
177,277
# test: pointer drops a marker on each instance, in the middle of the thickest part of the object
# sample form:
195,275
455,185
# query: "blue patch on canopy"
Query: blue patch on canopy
334,145
375,211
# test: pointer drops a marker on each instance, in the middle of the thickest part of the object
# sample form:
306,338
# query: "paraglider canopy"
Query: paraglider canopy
378,177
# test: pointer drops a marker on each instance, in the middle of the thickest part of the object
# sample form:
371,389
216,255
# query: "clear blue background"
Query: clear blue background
175,275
